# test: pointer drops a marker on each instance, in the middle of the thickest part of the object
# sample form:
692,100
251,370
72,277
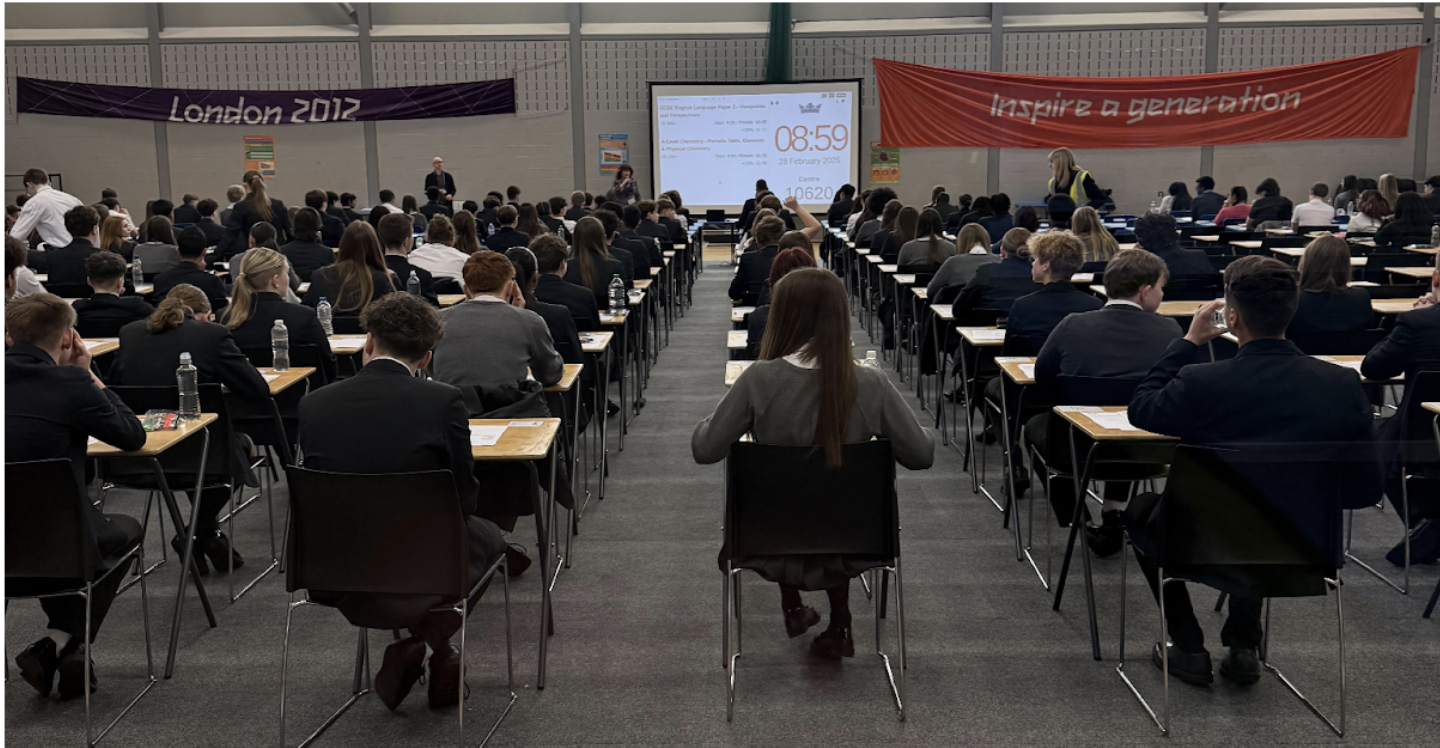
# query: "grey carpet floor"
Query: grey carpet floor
636,655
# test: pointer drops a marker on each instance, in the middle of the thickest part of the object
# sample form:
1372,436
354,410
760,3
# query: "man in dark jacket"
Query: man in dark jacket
395,238
1192,277
191,245
67,264
1207,201
53,404
435,207
214,232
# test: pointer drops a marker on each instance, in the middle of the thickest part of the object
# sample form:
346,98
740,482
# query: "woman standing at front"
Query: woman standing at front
807,390
1071,180
624,190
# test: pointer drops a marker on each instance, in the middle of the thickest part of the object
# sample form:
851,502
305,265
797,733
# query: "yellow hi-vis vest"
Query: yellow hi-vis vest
1077,187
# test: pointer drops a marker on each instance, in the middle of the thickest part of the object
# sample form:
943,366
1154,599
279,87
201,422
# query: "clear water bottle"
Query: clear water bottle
489,229
1154,207
280,346
1350,208
137,276
189,380
413,285
326,316
871,360
617,295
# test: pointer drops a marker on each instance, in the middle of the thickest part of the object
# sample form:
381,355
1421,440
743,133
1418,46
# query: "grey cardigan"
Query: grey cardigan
915,252
776,402
491,342
958,271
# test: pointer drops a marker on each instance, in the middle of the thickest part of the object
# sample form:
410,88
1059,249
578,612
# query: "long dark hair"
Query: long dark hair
906,221
359,255
159,230
258,198
1412,215
590,252
809,310
1325,265
1181,193
931,226
529,223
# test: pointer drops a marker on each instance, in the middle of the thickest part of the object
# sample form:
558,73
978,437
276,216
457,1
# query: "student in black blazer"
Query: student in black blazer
591,266
630,216
307,254
394,235
387,420
1192,277
66,265
754,270
1122,340
357,278
1056,256
214,232
333,208
257,207
258,303
842,206
551,287
632,254
1327,303
328,226
646,213
507,236
148,356
577,207
106,311
53,403
191,270
997,285
435,207
1270,393
563,332
666,209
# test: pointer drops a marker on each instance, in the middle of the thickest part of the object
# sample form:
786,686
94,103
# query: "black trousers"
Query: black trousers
68,613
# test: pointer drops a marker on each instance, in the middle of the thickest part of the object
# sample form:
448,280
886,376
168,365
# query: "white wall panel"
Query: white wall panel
262,67
205,159
541,69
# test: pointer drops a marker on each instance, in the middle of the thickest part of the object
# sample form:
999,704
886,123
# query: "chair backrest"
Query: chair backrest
347,324
156,258
1256,507
70,290
1073,390
1336,343
1193,287
1419,447
784,500
47,532
400,533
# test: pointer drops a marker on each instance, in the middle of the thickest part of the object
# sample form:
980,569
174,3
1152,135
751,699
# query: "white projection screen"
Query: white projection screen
711,141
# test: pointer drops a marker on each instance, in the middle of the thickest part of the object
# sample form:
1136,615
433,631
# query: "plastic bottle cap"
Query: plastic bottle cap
185,358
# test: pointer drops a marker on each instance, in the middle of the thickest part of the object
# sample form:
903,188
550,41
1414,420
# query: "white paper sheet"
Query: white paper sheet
527,424
988,334
1028,370
89,440
270,377
486,436
1115,421
347,340
92,344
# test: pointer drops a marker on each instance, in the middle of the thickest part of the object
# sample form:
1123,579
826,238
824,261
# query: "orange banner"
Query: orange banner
930,107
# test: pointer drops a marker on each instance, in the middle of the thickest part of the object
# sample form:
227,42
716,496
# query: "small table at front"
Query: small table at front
1079,419
530,441
156,444
736,341
597,346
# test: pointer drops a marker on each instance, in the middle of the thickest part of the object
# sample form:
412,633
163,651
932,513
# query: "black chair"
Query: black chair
394,534
1194,287
71,291
1265,517
785,500
49,546
1336,343
346,324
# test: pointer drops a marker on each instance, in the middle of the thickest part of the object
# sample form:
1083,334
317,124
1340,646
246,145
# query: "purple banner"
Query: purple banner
266,107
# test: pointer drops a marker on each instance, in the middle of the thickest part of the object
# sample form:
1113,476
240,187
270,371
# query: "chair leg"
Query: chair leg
1163,724
139,561
361,683
1340,629
1220,601
1434,598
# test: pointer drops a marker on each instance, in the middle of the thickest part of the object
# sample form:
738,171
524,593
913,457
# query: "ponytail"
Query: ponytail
256,183
257,267
171,312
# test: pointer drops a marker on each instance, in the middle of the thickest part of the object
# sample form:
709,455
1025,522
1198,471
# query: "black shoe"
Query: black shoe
799,620
955,396
833,643
611,408
178,544
1107,539
1189,667
1424,545
38,664
72,670
516,560
640,403
403,665
217,549
444,680
1241,666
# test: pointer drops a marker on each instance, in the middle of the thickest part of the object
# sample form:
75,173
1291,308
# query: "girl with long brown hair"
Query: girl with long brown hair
807,389
114,237
467,234
1100,246
529,221
592,268
1327,303
358,276
927,246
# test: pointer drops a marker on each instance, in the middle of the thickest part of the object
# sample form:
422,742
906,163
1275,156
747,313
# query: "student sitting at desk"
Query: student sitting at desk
558,321
1055,256
357,278
807,390
928,248
1192,277
307,254
355,426
592,266
755,266
789,259
107,310
191,271
1269,393
1100,244
972,249
1123,339
551,288
53,402
1369,214
997,286
257,303
395,237
1327,303
437,255
1412,223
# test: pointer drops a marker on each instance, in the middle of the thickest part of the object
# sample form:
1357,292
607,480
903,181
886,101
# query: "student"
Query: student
928,248
385,419
214,232
807,363
563,332
1327,303
1026,218
53,404
357,278
754,269
157,252
1412,223
634,259
488,338
467,233
347,206
633,240
512,196
263,235
1236,206
869,221
67,263
997,285
527,222
960,269
1190,270
307,254
1269,205
788,259
332,208
115,238
857,210
979,210
1347,194
646,225
1177,197
44,211
106,311
329,228
149,354
507,236
1100,245
1430,195
1055,256
1069,179
256,207
1207,202
592,266
411,207
19,280
1123,339
1315,212
1369,214
434,207
438,254
395,238
883,242
1270,393
1389,188
234,194
487,217
258,302
577,206
551,287
548,215
1001,221
672,222
191,270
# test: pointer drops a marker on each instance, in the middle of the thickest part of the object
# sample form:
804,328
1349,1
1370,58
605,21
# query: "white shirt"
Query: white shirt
26,283
1361,222
45,212
1116,302
799,358
390,208
440,260
1316,212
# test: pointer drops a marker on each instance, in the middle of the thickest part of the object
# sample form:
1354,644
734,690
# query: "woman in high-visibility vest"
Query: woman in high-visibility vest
1073,181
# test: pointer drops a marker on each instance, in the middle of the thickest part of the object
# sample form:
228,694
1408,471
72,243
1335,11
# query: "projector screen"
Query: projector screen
712,141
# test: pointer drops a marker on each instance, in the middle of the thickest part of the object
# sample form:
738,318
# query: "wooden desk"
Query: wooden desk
733,370
284,380
1355,262
156,442
567,379
450,299
518,442
303,288
1130,245
634,298
1392,306
42,277
347,344
1180,308
1212,238
982,337
874,259
862,251
614,320
1421,273
1078,416
1432,407
739,313
889,268
1101,291
1082,278
1422,250
145,289
102,346
945,313
920,293
595,342
644,283
735,340
1362,242
904,279
1020,369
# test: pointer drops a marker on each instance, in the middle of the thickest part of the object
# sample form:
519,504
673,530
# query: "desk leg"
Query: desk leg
572,526
1081,478
546,616
1007,463
187,561
624,335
